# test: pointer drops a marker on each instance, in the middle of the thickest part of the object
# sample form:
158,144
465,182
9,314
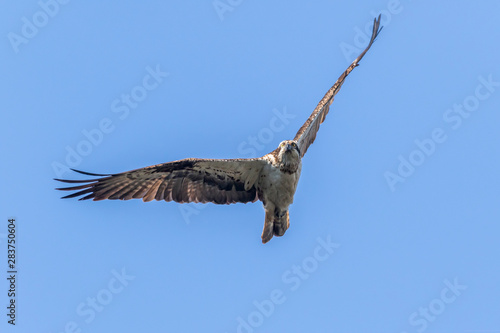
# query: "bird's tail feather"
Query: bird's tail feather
268,233
274,225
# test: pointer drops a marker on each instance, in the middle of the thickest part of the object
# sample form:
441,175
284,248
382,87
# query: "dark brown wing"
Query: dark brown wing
188,180
307,133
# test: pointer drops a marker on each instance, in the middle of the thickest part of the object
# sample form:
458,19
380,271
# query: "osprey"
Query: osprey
271,178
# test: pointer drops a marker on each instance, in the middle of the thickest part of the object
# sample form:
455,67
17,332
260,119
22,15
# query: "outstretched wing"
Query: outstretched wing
188,180
307,133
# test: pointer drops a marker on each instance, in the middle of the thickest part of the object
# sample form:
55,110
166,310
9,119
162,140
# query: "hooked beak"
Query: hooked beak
289,147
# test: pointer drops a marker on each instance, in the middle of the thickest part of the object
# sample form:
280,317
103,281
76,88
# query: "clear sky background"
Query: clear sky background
396,221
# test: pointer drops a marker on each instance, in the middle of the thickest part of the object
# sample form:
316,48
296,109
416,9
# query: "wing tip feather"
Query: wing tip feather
90,173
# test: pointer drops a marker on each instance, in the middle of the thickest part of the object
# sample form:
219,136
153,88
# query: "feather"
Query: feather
189,180
307,133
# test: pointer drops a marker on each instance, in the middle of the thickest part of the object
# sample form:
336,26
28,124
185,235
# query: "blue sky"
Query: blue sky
396,218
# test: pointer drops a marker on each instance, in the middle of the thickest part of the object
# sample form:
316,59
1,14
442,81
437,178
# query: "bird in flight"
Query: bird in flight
271,178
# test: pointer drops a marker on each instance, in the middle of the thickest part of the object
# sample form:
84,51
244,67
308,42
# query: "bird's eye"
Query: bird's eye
294,144
282,144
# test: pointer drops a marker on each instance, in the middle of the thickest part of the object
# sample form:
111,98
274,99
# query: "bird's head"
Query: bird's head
289,156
